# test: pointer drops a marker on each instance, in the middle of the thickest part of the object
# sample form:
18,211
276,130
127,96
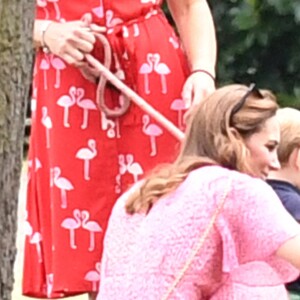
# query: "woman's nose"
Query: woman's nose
275,164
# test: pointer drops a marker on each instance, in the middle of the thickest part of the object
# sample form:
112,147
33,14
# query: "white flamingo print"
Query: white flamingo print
136,30
119,71
27,226
122,171
122,165
174,42
125,31
72,224
86,154
151,13
111,127
118,184
133,167
86,105
58,64
56,7
98,11
146,69
94,277
45,66
153,131
43,4
63,184
112,21
92,226
179,106
33,166
66,101
49,282
47,122
51,176
162,69
33,103
36,239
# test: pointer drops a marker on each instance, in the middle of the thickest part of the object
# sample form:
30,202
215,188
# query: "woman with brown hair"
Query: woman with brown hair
207,226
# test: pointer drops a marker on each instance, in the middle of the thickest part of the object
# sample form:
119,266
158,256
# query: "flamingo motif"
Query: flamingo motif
133,167
153,131
63,184
122,165
92,226
36,239
27,226
118,184
72,224
87,154
122,171
43,5
98,11
45,66
162,69
94,277
86,105
51,177
151,13
49,282
125,31
58,65
33,102
56,7
33,165
47,122
66,101
179,106
174,42
136,30
112,21
146,69
108,125
120,72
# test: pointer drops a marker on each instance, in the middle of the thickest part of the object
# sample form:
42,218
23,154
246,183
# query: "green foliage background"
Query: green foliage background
259,41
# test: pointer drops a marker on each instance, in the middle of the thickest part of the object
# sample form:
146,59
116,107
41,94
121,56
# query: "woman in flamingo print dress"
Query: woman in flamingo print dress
79,159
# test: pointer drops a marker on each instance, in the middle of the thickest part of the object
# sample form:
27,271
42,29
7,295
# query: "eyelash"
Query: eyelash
272,147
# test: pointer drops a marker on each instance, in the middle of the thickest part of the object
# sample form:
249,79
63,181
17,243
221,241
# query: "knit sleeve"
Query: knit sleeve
260,220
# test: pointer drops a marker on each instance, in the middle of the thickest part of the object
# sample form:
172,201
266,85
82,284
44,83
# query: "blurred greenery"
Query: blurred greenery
259,41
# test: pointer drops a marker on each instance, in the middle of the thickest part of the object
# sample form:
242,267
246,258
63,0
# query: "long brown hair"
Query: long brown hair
209,140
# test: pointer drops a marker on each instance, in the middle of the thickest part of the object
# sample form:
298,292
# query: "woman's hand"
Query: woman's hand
72,40
196,88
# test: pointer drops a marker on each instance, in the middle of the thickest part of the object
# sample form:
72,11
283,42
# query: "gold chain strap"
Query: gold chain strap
200,243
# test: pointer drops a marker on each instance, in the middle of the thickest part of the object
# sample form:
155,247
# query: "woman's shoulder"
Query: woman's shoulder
121,201
217,177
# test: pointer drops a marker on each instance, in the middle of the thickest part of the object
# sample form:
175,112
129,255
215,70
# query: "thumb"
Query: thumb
187,95
87,19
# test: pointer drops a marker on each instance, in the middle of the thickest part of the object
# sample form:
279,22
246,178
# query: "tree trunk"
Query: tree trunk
16,25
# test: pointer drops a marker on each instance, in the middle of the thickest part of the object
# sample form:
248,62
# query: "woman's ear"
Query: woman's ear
233,132
294,158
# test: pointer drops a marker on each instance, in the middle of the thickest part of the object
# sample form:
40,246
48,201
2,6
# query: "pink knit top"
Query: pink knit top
144,253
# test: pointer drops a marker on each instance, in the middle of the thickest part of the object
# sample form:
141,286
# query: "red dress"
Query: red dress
79,160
